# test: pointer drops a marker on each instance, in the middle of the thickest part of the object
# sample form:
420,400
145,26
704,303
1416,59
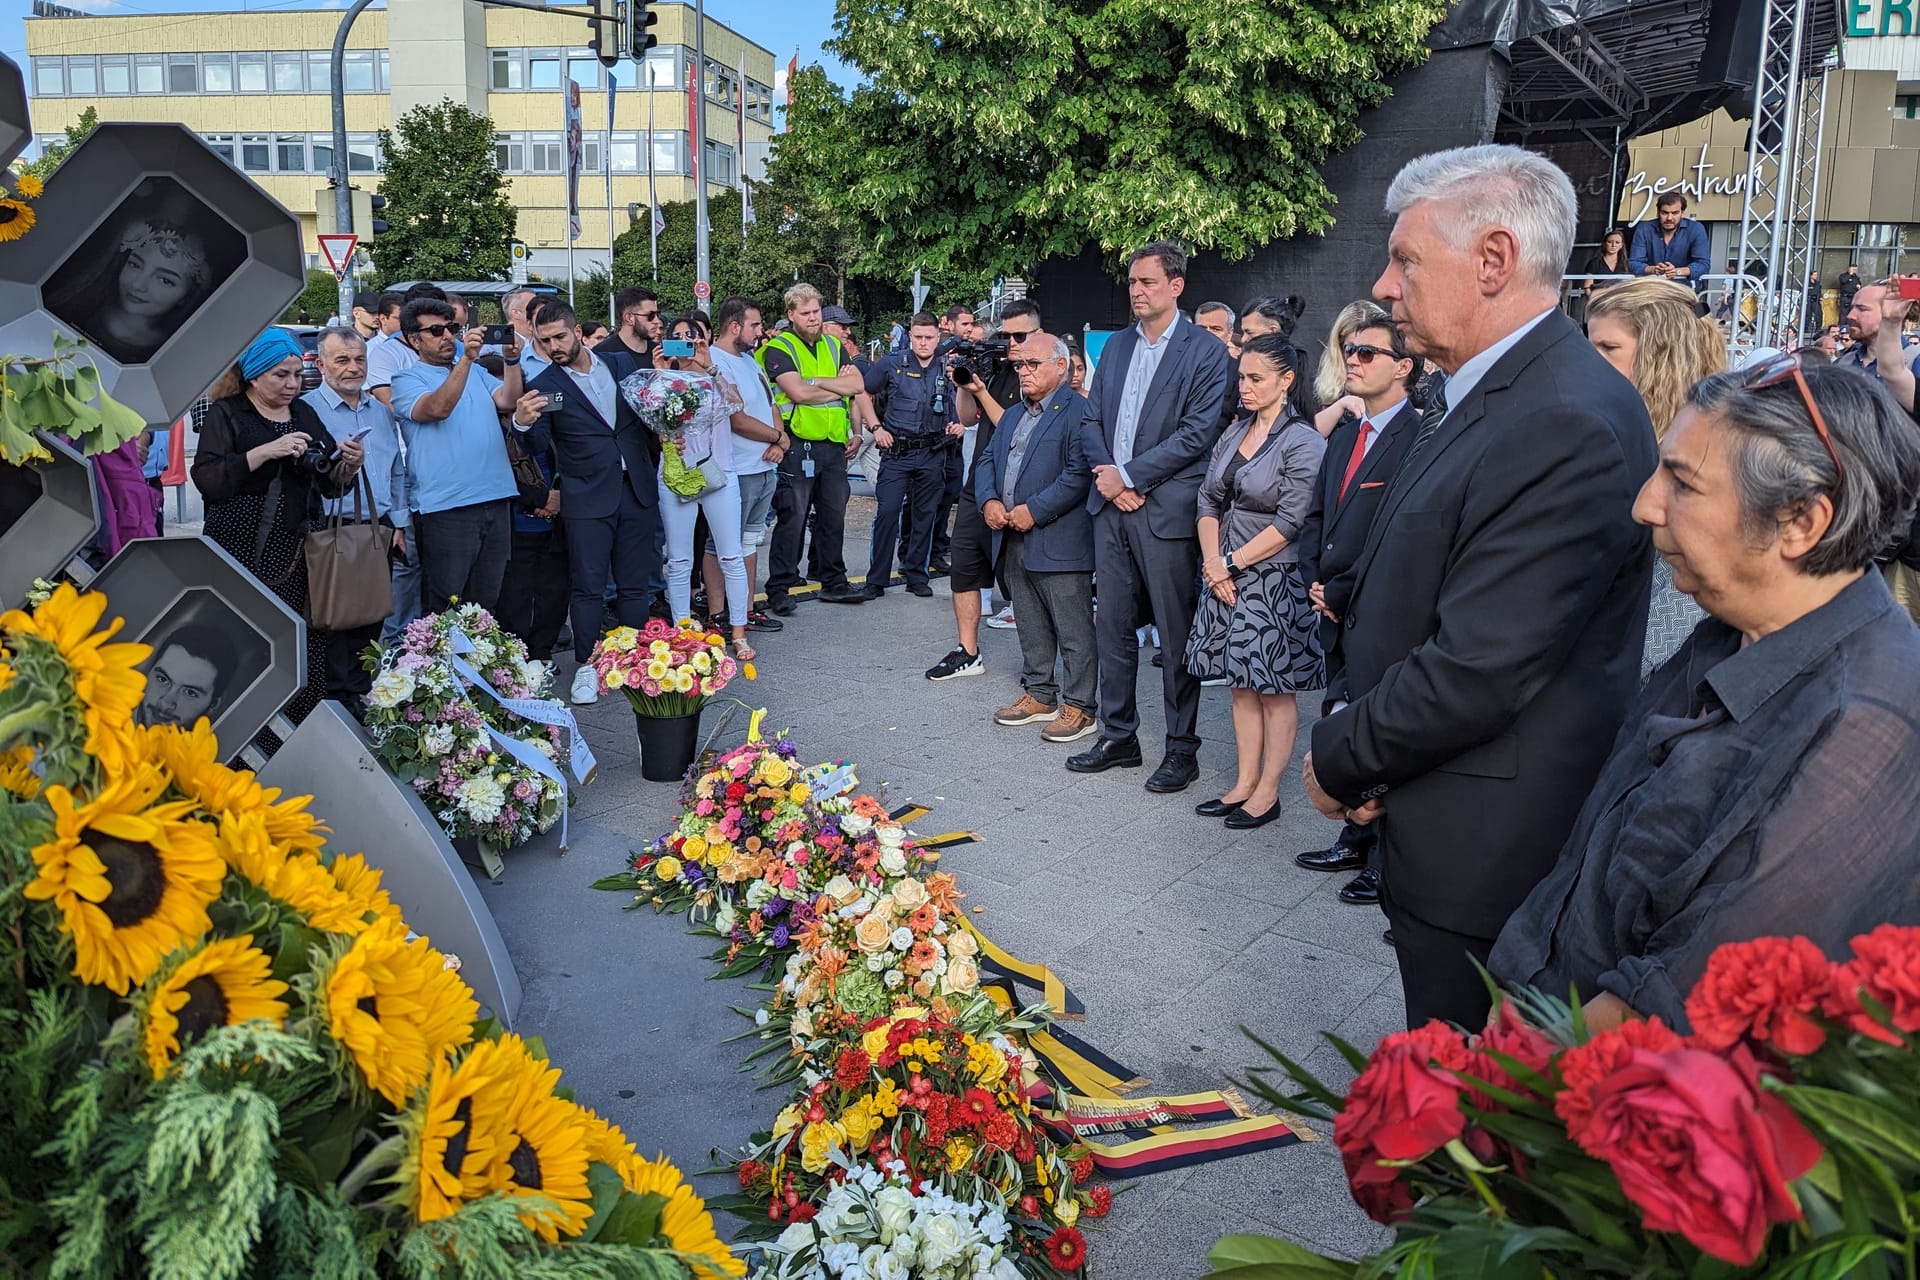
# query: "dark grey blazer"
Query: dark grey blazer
1053,483
1179,422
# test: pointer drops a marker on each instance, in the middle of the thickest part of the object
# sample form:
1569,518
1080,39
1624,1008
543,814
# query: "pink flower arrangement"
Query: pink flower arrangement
665,670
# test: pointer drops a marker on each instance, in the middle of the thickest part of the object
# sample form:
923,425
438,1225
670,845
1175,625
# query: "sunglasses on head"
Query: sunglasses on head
1365,352
1786,368
435,330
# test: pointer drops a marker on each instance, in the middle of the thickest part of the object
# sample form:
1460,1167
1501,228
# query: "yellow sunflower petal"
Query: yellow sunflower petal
397,1009
223,984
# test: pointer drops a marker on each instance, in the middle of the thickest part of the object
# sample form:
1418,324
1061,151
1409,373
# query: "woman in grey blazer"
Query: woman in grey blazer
1255,625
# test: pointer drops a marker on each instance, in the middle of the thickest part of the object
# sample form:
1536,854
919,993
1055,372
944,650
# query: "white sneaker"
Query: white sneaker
586,686
1003,620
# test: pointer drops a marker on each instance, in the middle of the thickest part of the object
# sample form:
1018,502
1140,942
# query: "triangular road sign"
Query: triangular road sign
338,251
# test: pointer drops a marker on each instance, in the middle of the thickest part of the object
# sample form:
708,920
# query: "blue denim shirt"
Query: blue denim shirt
1688,249
385,465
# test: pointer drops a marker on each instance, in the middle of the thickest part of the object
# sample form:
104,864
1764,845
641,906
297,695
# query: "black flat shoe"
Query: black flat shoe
1108,753
1386,936
848,595
1363,890
1339,858
1176,773
1218,808
1244,821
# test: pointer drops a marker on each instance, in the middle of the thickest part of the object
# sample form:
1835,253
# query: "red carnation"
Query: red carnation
1698,1146
1067,1249
803,1212
1002,1132
1404,1106
736,790
1509,1034
850,1069
751,1171
1082,1168
1885,967
1099,1202
1765,990
1583,1066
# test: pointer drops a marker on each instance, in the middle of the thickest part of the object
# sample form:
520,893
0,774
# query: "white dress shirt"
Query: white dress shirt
1468,376
1133,393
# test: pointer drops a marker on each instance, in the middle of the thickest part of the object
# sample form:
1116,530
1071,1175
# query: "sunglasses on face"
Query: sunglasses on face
435,330
1365,353
1786,368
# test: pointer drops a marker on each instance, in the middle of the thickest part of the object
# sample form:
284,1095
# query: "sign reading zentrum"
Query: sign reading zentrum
1700,182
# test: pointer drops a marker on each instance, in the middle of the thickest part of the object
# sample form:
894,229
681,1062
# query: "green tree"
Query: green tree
989,134
57,151
320,299
448,214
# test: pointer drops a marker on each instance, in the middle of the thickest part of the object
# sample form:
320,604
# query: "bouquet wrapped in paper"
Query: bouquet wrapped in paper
684,410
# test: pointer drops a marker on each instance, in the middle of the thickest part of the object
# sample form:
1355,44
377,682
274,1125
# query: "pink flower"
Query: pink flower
650,687
703,808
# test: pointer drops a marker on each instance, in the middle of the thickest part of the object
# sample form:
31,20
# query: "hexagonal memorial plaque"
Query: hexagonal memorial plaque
224,646
48,511
166,258
15,128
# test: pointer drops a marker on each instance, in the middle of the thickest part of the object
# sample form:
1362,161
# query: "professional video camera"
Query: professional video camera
977,358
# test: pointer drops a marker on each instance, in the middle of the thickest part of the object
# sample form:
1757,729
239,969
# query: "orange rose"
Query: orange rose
873,934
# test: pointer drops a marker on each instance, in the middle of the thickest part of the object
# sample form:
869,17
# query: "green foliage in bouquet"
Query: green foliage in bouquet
61,395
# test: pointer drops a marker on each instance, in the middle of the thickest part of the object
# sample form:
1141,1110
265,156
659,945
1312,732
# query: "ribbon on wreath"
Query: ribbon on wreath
1152,1139
998,960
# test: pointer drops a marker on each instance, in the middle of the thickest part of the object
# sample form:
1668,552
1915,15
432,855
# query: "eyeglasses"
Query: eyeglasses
1365,353
1028,366
1786,367
435,330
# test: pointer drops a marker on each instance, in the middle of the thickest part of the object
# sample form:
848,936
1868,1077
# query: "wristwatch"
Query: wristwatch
1234,570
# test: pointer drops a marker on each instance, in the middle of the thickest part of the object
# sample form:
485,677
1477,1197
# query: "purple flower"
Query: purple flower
779,936
774,907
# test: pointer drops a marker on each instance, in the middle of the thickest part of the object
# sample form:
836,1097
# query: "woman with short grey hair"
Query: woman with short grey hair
1765,782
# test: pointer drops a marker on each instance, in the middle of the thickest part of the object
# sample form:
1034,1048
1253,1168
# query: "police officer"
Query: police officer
915,425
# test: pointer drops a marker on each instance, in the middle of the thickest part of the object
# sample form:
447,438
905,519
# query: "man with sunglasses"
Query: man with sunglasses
641,325
1363,453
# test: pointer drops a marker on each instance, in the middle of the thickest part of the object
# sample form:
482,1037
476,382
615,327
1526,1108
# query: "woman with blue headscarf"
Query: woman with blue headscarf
264,464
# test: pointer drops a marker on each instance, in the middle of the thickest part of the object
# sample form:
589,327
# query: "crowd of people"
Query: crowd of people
1551,750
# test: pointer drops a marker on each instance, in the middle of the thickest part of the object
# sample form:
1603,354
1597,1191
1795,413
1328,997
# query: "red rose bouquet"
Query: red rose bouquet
1782,1137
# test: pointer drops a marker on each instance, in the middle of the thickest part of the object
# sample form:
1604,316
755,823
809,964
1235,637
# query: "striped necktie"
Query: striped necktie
1430,418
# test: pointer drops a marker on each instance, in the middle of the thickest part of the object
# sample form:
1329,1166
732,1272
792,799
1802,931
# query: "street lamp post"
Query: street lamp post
342,192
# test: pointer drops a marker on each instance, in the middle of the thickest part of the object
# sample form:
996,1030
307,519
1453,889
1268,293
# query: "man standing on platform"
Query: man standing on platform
1153,415
912,438
1492,635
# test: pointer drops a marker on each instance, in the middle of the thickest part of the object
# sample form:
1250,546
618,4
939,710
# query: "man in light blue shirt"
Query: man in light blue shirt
350,413
462,482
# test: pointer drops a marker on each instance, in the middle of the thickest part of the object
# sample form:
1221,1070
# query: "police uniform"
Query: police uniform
919,404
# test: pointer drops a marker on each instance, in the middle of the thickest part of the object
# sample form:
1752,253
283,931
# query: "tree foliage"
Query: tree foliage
448,213
989,134
55,152
320,299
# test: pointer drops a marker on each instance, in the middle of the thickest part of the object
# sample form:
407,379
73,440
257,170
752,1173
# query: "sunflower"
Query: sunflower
16,219
297,879
223,984
29,186
454,1131
132,879
106,677
397,1009
685,1222
192,756
16,772
361,883
545,1152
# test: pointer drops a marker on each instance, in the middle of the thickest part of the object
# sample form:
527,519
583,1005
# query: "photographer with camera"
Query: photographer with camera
911,437
265,464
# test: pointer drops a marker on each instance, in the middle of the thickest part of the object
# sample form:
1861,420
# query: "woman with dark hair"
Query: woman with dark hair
1609,260
1255,626
1272,315
264,464
151,275
1764,782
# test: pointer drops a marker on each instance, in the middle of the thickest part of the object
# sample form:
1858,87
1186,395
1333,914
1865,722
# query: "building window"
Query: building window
719,163
363,153
663,69
83,77
386,79
591,146
49,78
509,152
323,153
543,69
256,156
149,73
1907,106
759,102
624,73
221,144
506,69
290,153
669,153
718,84
320,71
216,72
546,153
583,68
289,73
183,73
361,72
251,68
114,75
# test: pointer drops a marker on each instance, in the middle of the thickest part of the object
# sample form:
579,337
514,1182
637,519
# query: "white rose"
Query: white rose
794,1238
760,1018
902,939
437,741
723,917
892,1212
893,979
853,825
1004,1270
890,835
940,1242
759,893
840,889
391,689
875,963
893,861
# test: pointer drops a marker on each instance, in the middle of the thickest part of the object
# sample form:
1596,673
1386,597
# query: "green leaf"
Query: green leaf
1832,1258
633,1220
1870,1127
1233,1255
606,1189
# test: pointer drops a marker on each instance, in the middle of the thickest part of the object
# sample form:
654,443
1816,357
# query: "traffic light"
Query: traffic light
640,37
375,223
608,47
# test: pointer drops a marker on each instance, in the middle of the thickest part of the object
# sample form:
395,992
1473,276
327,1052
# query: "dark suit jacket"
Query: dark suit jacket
1179,422
1493,637
588,450
1334,532
1053,483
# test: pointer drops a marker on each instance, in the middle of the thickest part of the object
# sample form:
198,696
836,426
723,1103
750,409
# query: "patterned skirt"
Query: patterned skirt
1268,640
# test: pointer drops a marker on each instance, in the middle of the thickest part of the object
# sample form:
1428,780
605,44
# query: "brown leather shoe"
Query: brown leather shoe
1026,710
1071,725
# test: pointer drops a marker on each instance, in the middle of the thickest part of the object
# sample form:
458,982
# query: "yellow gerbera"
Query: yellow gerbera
454,1130
545,1151
132,879
361,882
192,756
685,1222
16,772
106,677
297,879
29,186
397,1009
223,984
16,219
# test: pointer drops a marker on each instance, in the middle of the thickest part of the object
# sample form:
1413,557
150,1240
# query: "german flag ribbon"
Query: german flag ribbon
996,959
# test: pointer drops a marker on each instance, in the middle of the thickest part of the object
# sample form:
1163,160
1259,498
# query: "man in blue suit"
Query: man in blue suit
1032,482
607,460
1153,415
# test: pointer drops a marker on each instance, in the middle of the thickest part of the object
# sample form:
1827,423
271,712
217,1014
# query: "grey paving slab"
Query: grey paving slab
1174,930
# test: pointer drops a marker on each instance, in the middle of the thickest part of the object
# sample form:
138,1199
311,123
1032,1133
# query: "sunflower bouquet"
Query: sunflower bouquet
225,1054
439,719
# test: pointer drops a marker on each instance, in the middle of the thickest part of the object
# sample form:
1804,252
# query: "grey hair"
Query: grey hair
1205,307
1780,465
1330,383
339,334
1497,186
1053,344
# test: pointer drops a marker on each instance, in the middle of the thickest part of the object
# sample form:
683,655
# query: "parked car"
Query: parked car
308,336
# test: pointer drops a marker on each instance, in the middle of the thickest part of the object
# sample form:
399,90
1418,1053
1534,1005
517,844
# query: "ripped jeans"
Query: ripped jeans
677,516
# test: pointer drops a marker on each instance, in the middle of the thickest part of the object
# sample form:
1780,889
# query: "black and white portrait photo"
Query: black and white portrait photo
204,657
143,274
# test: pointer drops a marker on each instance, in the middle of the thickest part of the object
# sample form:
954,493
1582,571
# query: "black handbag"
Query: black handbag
528,479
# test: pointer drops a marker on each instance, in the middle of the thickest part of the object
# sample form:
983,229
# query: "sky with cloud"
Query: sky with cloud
780,25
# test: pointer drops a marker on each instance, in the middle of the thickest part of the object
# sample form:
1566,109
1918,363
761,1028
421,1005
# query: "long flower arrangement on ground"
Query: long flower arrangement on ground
223,1054
912,1088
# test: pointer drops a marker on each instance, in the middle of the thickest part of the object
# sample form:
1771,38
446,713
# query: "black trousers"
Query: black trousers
347,678
463,553
953,475
813,484
908,493
1437,974
620,545
534,597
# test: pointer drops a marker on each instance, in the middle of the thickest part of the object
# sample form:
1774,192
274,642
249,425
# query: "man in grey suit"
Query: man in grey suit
1152,417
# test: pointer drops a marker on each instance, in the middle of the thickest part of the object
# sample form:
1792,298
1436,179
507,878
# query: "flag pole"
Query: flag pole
653,196
698,106
606,168
740,140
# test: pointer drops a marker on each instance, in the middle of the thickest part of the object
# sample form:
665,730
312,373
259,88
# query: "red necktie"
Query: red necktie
1354,459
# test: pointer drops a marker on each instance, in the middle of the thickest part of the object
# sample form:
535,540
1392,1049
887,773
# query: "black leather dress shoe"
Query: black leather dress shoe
1247,821
920,589
1217,808
869,590
1339,858
1176,773
1386,936
1108,753
781,606
1363,890
848,594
